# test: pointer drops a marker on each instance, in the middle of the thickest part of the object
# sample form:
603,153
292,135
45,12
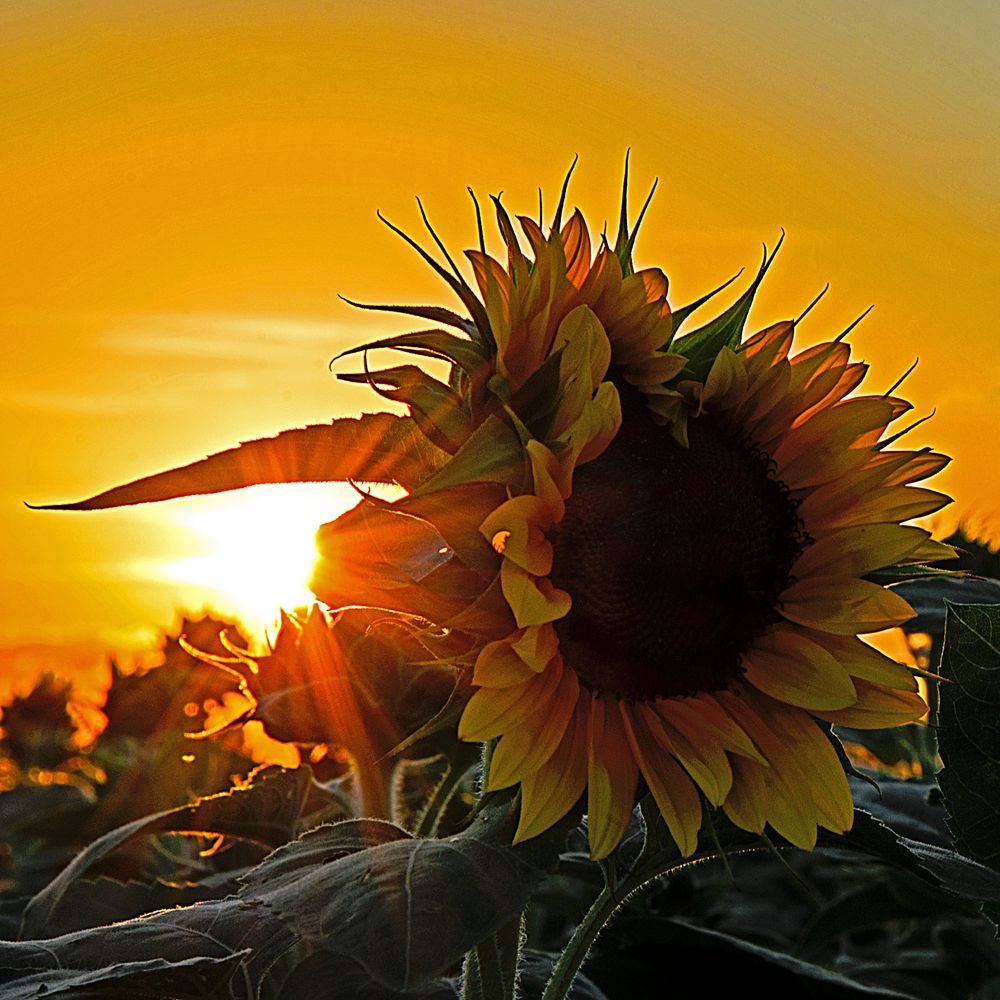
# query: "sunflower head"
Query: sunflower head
663,547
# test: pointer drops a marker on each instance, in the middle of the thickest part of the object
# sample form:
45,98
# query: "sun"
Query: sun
255,548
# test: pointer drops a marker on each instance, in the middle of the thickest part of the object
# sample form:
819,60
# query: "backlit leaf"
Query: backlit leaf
701,346
372,448
266,812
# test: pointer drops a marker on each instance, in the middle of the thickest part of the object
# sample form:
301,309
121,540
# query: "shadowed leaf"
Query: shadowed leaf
402,910
266,812
937,865
149,979
969,735
724,959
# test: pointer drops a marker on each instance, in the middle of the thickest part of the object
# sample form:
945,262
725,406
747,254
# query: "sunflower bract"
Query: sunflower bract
664,577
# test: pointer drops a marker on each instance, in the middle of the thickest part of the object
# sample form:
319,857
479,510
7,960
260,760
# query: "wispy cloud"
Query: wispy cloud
224,337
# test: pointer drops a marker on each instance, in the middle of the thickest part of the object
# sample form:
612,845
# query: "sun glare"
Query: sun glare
256,548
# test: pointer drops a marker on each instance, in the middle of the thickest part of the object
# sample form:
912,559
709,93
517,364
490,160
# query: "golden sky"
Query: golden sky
188,187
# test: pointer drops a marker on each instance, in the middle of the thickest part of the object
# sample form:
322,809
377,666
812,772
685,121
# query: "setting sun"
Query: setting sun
255,547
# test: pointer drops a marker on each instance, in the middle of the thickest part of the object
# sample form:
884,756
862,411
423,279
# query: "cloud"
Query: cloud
226,337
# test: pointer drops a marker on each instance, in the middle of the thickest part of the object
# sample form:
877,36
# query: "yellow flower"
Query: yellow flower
672,554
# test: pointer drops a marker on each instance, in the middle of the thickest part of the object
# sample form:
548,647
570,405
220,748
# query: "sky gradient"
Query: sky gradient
190,186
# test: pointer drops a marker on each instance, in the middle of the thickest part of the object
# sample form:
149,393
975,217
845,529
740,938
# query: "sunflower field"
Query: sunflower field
585,705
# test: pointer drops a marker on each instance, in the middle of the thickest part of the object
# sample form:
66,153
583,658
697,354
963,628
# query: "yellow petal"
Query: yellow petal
499,666
819,450
789,807
702,718
864,662
672,790
524,749
790,666
521,523
536,646
655,369
877,707
747,802
843,606
612,776
726,378
492,711
809,759
598,425
533,600
705,762
549,793
858,550
770,344
550,478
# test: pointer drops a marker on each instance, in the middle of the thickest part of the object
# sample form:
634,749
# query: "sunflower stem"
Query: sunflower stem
491,978
472,984
510,939
575,952
604,907
434,809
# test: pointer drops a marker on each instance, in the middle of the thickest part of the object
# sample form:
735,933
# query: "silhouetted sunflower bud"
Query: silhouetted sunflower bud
424,557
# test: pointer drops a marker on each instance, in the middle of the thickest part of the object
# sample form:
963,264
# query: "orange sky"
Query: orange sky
189,186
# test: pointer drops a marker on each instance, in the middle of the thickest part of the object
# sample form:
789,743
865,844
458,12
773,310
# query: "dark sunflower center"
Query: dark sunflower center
675,558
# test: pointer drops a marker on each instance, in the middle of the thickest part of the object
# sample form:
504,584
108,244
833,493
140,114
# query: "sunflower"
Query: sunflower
658,546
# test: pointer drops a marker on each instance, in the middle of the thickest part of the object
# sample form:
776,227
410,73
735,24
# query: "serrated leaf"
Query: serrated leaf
434,314
940,866
404,910
266,812
875,902
910,808
93,902
792,975
466,354
319,847
33,808
149,979
969,734
703,345
435,407
409,909
681,313
372,448
905,574
312,979
493,453
928,597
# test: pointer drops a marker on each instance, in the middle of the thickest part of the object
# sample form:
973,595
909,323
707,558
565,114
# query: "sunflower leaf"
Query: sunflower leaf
152,979
492,453
930,596
265,812
931,862
374,905
703,345
720,959
466,354
969,734
681,313
435,314
436,408
372,448
537,401
904,574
